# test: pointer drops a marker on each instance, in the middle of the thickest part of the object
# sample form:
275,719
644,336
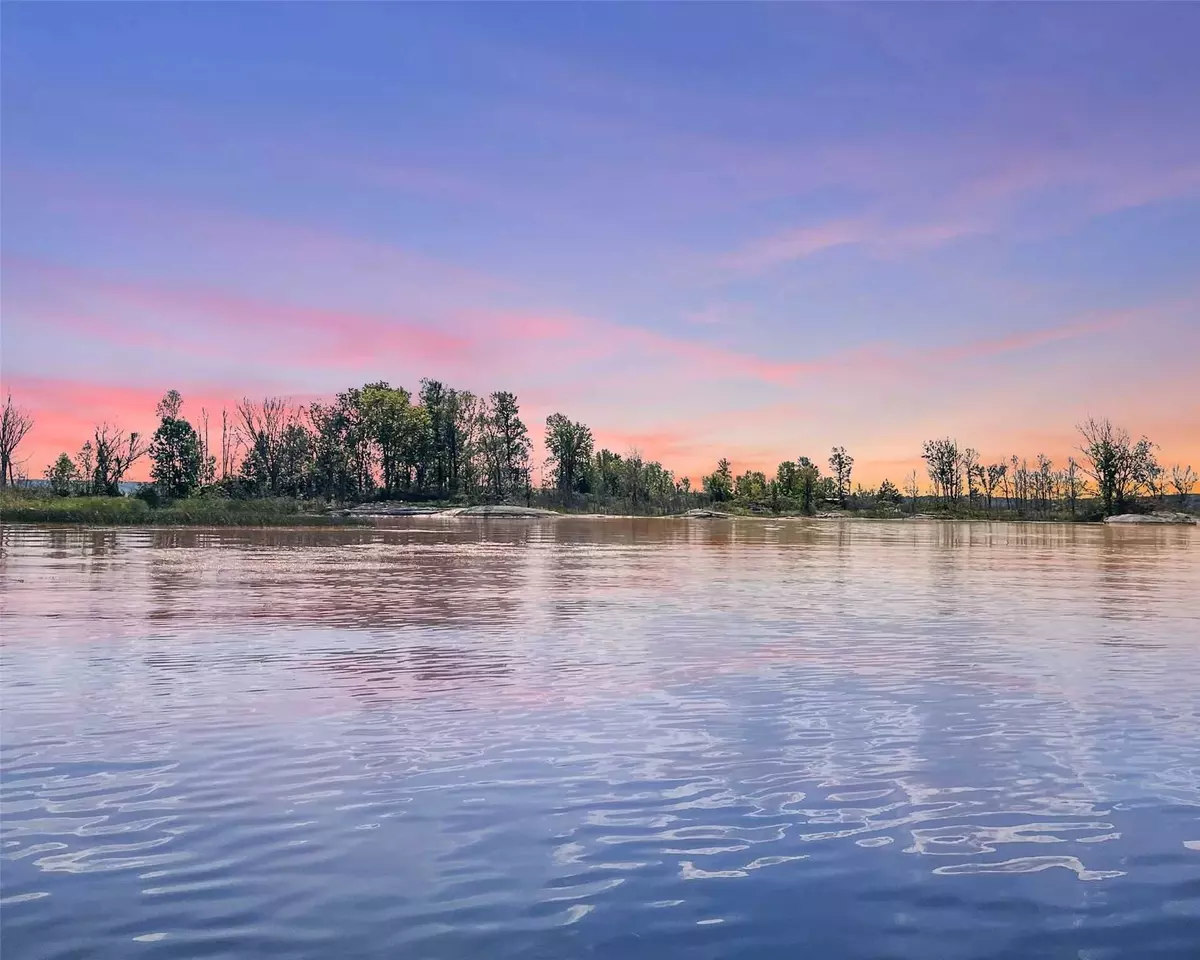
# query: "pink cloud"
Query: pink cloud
800,243
148,313
1025,340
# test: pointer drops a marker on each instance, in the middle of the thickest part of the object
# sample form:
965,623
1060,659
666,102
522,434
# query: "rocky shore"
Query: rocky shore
1151,518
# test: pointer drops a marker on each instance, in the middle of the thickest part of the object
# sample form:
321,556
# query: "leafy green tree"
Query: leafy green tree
342,456
609,469
63,475
453,446
506,446
635,481
1119,466
658,486
888,493
401,434
296,457
808,479
787,478
719,484
751,486
569,446
175,450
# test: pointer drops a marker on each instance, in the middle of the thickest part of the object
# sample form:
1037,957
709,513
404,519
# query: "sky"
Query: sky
705,230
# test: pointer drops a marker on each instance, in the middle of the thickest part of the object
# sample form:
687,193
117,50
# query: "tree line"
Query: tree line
447,445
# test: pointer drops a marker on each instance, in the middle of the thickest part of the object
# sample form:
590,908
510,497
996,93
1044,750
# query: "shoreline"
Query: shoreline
380,521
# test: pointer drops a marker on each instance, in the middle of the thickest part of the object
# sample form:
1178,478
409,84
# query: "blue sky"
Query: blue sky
706,230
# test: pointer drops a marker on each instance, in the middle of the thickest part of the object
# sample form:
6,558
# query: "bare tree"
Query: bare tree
208,464
1183,479
1020,482
264,425
970,466
231,444
912,487
1044,483
14,424
1074,485
991,476
115,452
944,465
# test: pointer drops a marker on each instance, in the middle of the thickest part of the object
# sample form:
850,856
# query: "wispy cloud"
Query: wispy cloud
191,318
878,237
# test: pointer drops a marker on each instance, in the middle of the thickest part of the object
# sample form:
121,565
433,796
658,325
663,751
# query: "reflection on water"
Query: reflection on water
602,738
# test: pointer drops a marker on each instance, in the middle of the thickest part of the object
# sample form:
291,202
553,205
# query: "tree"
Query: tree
269,430
14,424
1155,480
888,493
944,464
63,475
114,452
787,478
462,441
296,474
841,464
635,481
1044,482
1183,479
169,406
341,448
85,463
569,446
912,487
751,486
719,484
176,451
400,432
436,401
971,470
1073,484
1118,466
506,446
991,477
808,478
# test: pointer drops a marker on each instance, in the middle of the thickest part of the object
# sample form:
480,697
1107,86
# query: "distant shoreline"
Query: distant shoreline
368,520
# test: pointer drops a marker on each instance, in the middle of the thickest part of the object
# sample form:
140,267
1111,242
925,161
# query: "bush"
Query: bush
149,495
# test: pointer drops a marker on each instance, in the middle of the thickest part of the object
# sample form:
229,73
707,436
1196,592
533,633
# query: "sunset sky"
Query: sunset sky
705,230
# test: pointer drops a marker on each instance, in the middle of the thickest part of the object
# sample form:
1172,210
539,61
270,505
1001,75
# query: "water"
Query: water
602,739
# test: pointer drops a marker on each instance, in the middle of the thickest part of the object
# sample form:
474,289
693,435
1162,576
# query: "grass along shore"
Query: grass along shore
25,506
21,507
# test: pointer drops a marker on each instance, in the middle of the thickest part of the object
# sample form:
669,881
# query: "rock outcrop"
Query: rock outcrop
499,511
1151,518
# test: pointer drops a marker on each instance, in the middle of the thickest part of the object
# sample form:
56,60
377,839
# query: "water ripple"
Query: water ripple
606,738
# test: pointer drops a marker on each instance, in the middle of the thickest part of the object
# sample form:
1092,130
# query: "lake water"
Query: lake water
619,738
